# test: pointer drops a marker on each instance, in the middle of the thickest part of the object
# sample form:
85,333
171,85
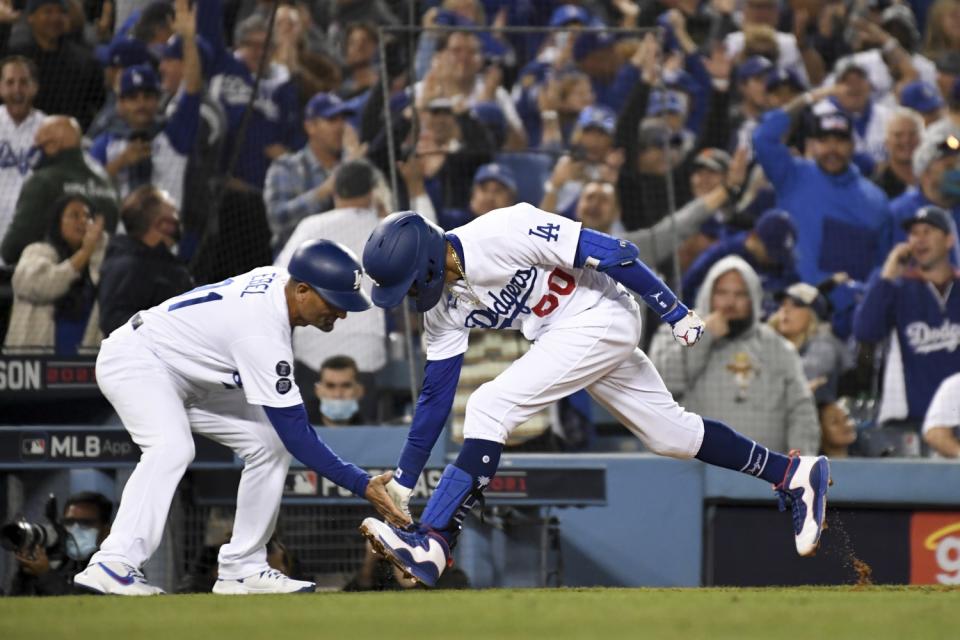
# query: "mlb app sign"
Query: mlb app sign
935,547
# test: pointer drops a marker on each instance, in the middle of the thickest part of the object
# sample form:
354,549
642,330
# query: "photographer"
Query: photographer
49,570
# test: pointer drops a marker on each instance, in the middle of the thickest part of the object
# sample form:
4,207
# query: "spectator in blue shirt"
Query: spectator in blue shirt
123,52
595,56
153,151
768,248
274,127
301,183
494,187
843,220
204,158
916,298
935,163
592,156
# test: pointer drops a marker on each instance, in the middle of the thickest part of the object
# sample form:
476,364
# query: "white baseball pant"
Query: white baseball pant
159,409
594,350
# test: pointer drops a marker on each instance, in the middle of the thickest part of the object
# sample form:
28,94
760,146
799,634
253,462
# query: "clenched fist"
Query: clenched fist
688,329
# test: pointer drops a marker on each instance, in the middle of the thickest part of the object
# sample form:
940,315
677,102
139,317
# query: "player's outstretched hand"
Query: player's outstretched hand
377,495
688,329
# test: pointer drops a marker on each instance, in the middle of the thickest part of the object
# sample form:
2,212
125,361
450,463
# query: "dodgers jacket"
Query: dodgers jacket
925,329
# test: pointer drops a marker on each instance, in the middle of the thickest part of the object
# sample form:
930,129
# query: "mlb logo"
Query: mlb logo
33,448
301,483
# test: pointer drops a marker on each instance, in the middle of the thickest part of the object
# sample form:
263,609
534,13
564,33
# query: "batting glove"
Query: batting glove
400,496
687,330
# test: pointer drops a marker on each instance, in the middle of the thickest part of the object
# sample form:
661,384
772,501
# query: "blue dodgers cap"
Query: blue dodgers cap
753,66
568,14
587,43
333,271
778,234
921,96
326,105
779,76
139,78
666,102
931,215
124,52
598,117
491,115
498,173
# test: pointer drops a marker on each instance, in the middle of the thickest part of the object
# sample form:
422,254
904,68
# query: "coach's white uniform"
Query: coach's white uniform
18,154
202,361
585,328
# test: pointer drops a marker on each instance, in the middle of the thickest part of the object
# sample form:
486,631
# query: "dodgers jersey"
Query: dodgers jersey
228,335
18,155
519,264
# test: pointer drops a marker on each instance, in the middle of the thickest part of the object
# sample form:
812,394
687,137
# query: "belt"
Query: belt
136,321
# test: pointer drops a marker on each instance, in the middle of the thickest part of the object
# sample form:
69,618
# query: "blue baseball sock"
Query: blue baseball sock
724,447
460,487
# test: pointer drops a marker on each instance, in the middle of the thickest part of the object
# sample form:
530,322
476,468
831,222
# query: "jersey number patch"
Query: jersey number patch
210,297
560,283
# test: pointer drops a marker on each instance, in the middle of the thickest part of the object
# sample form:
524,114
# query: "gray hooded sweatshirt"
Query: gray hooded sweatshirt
753,382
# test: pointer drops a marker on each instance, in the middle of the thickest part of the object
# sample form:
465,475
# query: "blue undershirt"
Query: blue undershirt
305,445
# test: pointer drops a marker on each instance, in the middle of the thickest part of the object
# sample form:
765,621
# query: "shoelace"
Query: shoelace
791,498
412,538
136,573
273,574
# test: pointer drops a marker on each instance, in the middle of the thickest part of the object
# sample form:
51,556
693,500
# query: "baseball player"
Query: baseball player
218,361
563,287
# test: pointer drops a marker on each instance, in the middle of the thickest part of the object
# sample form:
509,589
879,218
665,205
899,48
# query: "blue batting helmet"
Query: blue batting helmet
331,270
406,250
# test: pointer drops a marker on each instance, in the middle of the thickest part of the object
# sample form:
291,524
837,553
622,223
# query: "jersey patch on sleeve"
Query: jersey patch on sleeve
283,368
284,385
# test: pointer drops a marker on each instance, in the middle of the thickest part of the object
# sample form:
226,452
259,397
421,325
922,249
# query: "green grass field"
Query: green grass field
825,613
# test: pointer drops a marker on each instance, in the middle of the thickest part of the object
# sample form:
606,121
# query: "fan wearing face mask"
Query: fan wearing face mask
49,572
339,392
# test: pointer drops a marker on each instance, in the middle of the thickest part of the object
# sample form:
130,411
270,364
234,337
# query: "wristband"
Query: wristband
675,314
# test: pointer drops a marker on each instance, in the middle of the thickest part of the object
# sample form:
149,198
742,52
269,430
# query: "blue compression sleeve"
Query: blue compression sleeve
433,407
306,446
618,259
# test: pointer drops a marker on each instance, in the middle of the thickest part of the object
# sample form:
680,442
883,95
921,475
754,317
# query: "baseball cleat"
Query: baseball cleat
266,581
804,489
115,578
420,555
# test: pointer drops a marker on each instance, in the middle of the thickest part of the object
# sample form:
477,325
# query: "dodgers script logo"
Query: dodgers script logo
508,304
926,339
20,159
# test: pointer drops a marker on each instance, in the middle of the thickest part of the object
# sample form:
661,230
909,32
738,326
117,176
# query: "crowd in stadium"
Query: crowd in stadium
791,166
